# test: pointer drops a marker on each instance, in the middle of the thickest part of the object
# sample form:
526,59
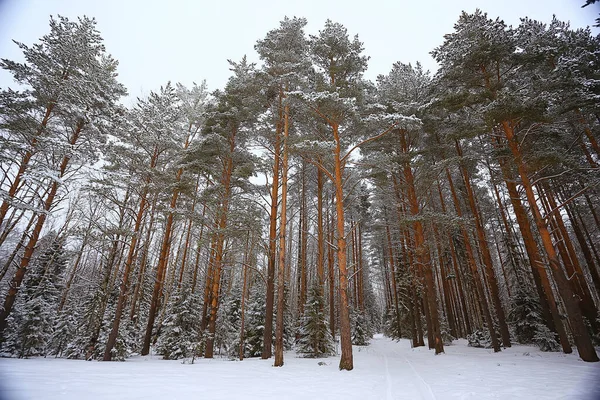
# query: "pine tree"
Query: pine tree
65,331
70,81
179,337
31,328
228,332
526,319
314,337
255,323
361,329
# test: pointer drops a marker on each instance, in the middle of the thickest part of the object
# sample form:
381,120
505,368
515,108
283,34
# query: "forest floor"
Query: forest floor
384,370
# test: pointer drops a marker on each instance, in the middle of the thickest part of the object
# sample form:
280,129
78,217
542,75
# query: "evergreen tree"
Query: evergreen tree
228,332
526,319
31,327
361,329
65,331
314,337
255,323
179,336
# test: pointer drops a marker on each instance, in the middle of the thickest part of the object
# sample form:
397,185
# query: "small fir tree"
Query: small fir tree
179,334
445,332
32,323
314,337
361,330
227,336
528,325
255,324
65,331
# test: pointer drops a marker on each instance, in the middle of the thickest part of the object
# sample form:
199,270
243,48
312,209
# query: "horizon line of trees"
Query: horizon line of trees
463,204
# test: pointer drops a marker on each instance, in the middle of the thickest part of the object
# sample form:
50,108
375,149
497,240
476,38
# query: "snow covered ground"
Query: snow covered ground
383,370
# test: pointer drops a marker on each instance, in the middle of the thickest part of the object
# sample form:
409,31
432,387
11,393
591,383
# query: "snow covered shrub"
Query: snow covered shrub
255,325
31,323
227,337
391,325
545,339
528,325
360,329
525,316
85,344
447,337
179,334
480,338
65,331
314,338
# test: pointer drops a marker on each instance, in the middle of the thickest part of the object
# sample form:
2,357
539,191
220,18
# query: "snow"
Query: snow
383,370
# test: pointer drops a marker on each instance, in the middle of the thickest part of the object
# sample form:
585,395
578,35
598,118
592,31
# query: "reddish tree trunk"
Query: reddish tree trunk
346,360
282,241
268,332
422,251
473,267
580,335
486,255
220,245
17,279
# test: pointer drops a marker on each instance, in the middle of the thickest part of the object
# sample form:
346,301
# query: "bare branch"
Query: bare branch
564,203
388,130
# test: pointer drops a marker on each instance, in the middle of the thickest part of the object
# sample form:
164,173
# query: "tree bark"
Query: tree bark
473,267
17,279
220,244
346,361
485,250
535,259
165,251
272,255
581,337
282,241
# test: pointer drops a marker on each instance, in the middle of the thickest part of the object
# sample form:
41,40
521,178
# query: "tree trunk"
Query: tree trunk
187,236
247,258
473,267
139,288
282,240
346,362
17,279
220,245
303,245
422,250
320,231
198,249
580,335
16,184
272,255
124,290
331,271
570,259
391,263
535,259
487,257
18,247
165,251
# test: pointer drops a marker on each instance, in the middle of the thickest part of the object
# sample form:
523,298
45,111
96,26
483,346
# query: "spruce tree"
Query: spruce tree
255,323
31,327
314,337
179,336
361,329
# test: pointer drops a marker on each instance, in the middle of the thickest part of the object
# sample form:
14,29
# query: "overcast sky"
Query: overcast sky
188,41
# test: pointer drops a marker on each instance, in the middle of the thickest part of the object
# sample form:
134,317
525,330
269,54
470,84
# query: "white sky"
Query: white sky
188,41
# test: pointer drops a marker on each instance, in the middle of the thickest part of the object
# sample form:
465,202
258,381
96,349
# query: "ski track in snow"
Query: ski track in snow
385,370
400,362
388,379
428,393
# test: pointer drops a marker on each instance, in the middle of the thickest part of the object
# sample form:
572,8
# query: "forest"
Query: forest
302,206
